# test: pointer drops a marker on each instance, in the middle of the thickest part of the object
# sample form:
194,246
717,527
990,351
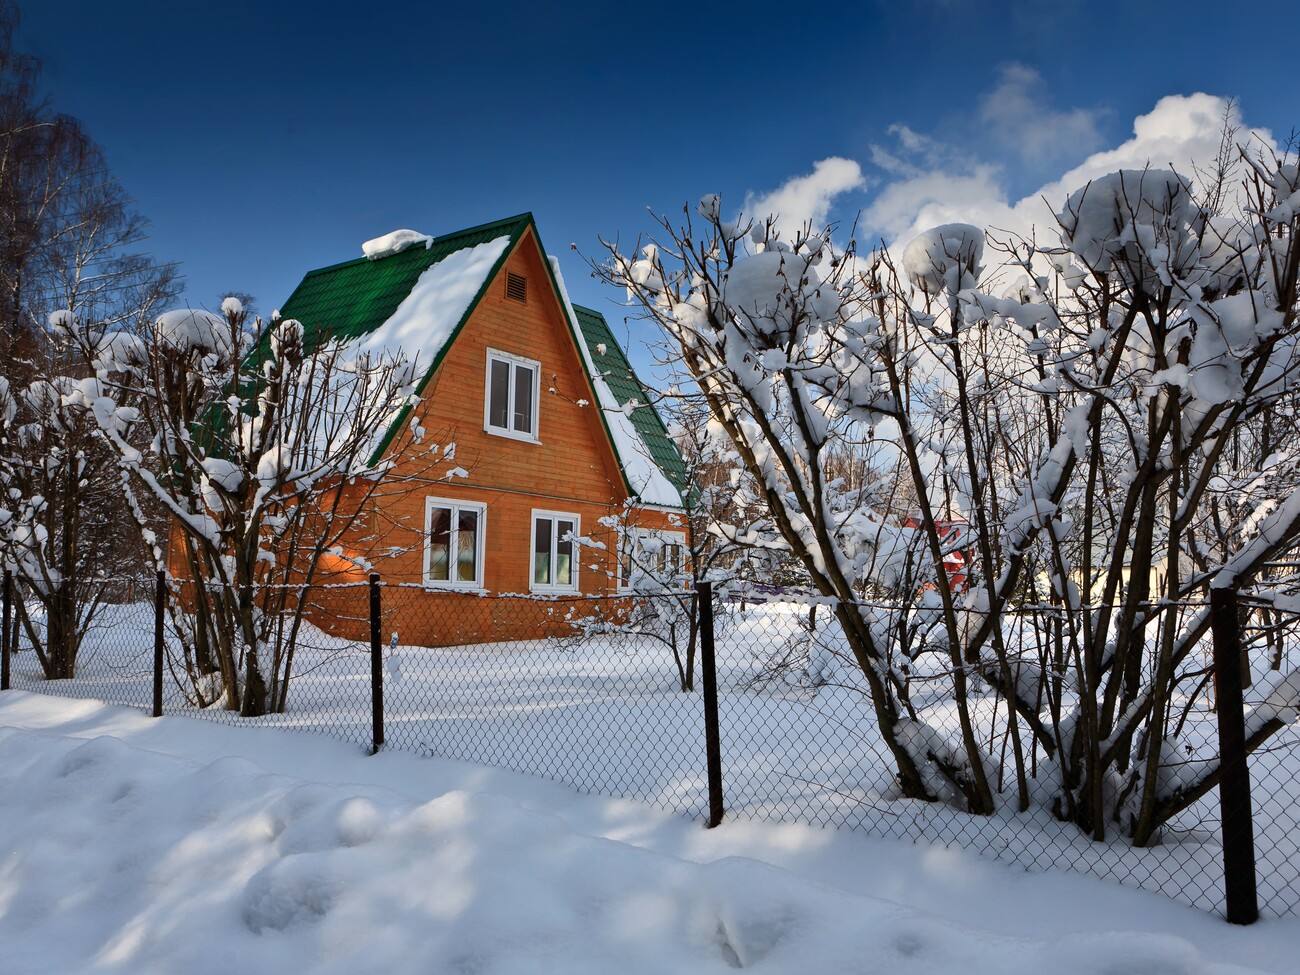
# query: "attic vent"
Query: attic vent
516,286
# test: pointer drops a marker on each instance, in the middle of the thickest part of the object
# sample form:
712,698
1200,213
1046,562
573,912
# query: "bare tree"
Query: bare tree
664,565
1097,428
262,449
68,240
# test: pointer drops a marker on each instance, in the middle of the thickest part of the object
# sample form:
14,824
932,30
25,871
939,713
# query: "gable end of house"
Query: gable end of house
358,301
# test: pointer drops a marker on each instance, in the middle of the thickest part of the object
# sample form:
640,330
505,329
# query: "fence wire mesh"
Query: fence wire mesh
603,693
328,691
115,661
803,745
595,700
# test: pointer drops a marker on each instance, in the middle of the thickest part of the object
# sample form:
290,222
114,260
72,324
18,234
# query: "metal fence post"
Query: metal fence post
4,640
709,682
1241,898
376,669
159,604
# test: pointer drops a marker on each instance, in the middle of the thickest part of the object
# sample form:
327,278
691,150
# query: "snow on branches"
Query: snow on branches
946,258
1097,430
261,445
60,530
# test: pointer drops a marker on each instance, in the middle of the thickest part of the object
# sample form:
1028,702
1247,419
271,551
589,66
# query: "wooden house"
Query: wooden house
554,442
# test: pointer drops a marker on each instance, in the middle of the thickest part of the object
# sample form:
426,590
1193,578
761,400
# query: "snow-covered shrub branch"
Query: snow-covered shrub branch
261,443
61,530
778,337
1094,431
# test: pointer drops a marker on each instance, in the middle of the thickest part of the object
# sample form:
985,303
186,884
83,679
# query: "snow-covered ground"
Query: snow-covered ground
604,715
166,845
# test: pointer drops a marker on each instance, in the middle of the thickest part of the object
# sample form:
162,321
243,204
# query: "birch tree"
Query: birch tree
69,240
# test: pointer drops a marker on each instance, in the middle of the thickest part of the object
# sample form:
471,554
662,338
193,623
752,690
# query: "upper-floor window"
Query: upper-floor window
512,395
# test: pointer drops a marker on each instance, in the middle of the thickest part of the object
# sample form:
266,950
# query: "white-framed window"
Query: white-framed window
650,559
554,564
453,543
626,558
513,396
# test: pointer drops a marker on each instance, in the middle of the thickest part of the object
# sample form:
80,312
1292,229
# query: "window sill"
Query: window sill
467,588
512,435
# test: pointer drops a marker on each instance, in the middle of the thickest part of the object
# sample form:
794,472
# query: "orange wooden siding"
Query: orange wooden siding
572,469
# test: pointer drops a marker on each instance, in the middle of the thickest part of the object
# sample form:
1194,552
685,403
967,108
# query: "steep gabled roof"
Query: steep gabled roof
355,298
616,370
363,299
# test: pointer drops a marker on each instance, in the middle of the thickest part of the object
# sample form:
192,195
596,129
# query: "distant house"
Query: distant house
954,536
553,435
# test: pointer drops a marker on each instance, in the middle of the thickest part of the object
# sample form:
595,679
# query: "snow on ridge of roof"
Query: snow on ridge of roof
644,476
421,325
425,319
394,243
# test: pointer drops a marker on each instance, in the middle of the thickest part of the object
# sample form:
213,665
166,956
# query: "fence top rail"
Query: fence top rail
216,584
804,598
728,592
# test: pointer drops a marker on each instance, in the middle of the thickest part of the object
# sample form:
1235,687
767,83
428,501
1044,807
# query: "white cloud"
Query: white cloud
905,206
1017,113
915,152
808,198
1181,131
928,182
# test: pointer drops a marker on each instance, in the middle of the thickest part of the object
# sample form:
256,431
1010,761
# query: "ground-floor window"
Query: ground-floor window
651,559
453,543
555,562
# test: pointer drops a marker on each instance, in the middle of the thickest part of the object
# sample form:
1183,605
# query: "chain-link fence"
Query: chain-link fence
114,661
605,693
801,743
116,657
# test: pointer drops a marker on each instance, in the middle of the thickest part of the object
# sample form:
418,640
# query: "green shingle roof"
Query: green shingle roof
353,299
622,382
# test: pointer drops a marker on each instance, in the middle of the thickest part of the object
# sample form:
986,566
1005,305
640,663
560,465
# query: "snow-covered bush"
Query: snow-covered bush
1048,426
260,446
61,531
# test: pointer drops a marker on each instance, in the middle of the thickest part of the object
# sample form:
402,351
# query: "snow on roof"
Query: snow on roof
422,323
394,243
643,475
418,329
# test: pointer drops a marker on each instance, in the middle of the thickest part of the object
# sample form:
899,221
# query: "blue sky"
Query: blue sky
266,139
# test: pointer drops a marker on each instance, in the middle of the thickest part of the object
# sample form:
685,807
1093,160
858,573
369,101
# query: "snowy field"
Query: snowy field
604,715
179,846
